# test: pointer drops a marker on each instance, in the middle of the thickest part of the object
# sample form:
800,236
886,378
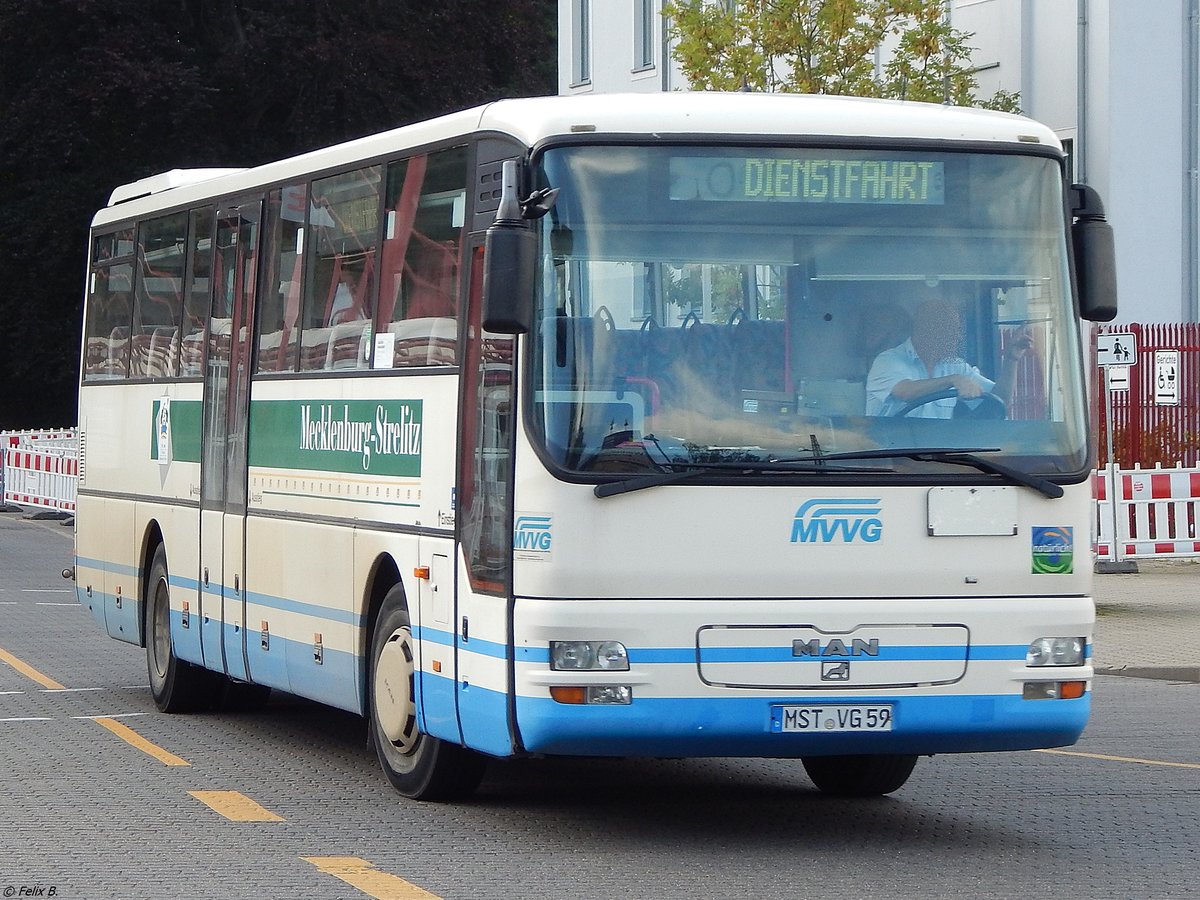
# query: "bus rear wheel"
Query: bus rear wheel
176,686
859,776
417,765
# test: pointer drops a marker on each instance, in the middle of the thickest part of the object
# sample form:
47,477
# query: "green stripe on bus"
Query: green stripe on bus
375,437
369,437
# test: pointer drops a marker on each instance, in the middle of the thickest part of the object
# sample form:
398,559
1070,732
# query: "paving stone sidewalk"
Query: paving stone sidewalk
1148,624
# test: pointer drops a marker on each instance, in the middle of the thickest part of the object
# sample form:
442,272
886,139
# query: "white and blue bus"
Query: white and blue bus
665,426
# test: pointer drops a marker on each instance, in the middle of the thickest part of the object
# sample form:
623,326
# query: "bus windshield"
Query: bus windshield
734,306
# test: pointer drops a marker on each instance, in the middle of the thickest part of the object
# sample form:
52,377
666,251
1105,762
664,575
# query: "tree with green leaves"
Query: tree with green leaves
900,49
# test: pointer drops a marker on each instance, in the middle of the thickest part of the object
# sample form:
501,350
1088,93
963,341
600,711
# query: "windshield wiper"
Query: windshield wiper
958,456
1043,486
693,469
819,463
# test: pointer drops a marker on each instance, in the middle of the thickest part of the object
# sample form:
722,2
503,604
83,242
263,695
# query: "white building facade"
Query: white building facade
1117,80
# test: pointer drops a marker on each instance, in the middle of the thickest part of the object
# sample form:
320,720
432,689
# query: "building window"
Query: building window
643,35
582,42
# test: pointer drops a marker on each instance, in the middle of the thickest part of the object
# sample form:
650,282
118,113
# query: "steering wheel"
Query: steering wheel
990,406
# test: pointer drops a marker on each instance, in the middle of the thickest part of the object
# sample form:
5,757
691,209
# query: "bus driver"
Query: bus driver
928,362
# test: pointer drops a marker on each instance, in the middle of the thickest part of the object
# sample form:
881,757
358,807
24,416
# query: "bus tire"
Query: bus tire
418,766
176,686
859,776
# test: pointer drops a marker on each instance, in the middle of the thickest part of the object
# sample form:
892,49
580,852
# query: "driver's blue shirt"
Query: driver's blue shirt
901,363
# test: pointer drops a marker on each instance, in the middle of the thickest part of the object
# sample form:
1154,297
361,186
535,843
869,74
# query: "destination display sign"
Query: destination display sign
809,179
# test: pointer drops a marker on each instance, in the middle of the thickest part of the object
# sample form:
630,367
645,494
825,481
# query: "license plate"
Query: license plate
831,718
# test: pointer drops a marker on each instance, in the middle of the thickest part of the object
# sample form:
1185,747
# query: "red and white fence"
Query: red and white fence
1147,513
1148,430
40,468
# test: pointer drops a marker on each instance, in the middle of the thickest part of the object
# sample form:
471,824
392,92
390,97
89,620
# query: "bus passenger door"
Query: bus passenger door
223,450
485,528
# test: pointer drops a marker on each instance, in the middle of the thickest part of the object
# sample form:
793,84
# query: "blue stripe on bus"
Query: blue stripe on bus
538,655
707,726
106,566
474,645
433,635
329,614
785,654
973,653
483,712
283,604
690,656
270,601
287,664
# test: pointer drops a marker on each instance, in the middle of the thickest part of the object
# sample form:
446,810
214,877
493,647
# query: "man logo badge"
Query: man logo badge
835,671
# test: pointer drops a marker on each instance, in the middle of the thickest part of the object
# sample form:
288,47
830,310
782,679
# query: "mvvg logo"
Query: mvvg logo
533,534
843,520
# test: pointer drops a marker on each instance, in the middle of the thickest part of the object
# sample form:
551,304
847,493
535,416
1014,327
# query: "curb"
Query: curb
1159,673
1125,567
48,515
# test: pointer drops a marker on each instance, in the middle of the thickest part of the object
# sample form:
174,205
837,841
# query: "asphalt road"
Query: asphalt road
101,796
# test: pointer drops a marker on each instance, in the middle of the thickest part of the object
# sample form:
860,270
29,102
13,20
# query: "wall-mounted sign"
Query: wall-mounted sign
1116,349
1166,377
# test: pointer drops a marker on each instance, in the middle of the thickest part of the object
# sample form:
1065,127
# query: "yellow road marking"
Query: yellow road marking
235,806
127,734
30,672
1128,759
363,875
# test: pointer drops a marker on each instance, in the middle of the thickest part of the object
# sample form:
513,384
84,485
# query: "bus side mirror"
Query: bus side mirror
510,262
510,257
1095,256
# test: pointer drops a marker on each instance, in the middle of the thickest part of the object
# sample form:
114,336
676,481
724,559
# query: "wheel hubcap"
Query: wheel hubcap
162,631
395,706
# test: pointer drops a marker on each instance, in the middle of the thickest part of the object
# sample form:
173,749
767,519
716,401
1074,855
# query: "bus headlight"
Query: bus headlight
578,656
1055,651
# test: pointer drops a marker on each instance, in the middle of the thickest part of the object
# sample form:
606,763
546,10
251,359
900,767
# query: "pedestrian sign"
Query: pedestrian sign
1117,348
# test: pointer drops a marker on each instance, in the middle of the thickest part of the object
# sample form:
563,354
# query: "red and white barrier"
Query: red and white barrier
1147,513
1102,518
40,468
41,478
64,436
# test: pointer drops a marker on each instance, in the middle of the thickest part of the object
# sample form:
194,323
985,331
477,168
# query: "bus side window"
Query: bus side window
279,305
339,287
421,259
196,302
154,349
109,307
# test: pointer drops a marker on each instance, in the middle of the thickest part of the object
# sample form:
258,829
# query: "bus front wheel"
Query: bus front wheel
176,686
859,776
417,765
